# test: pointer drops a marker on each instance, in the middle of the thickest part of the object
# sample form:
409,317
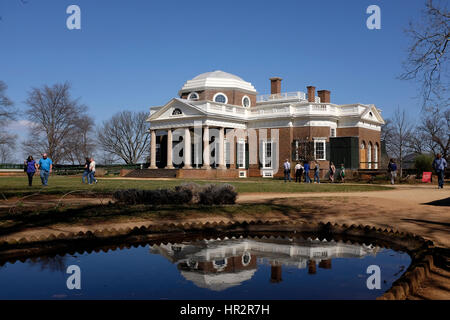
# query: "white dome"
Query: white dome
217,79
217,74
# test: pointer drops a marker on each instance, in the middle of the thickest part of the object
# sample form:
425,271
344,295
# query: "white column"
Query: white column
187,149
206,152
222,148
153,149
169,149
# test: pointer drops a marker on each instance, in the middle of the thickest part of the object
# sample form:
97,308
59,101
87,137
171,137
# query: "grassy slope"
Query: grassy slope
18,186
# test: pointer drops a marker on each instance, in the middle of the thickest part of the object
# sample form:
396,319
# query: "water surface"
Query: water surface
236,268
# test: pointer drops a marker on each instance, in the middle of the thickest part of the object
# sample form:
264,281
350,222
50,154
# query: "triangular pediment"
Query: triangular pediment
175,109
372,114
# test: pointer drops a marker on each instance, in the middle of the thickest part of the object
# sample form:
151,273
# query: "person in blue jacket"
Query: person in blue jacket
439,165
306,169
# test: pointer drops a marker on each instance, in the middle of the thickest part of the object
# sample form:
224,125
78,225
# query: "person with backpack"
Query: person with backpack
439,165
30,166
392,169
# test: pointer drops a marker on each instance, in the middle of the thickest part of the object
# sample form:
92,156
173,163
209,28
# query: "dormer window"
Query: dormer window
177,112
220,98
246,102
193,96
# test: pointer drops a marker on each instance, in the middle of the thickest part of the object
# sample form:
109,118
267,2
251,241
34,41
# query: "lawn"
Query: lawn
18,186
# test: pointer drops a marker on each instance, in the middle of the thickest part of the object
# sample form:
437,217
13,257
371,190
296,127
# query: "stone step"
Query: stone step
153,173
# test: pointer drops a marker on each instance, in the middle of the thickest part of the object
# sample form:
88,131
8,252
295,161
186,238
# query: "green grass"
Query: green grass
18,186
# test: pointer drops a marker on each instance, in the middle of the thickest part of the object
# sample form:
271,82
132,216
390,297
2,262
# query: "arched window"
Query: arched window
193,96
177,112
369,155
375,156
362,156
220,97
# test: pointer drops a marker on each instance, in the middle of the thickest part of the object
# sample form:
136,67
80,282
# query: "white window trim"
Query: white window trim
220,93
249,101
264,153
241,165
191,94
320,140
331,132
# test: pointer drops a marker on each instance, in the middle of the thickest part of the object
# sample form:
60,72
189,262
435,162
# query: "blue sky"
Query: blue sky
134,54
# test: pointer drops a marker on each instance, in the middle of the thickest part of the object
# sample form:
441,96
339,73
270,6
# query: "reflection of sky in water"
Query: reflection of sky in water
236,269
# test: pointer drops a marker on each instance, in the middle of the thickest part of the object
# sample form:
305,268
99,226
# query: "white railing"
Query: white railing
298,95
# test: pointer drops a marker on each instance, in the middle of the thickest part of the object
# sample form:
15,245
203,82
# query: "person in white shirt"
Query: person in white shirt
298,172
287,170
91,177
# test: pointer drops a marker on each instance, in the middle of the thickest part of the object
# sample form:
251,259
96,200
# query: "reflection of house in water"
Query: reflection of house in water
221,264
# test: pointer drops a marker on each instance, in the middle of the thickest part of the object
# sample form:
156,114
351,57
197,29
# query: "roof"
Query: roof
217,79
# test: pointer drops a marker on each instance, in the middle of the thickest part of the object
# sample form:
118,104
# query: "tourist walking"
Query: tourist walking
342,173
439,165
91,177
316,172
31,167
306,169
298,172
287,170
45,166
332,171
85,176
392,168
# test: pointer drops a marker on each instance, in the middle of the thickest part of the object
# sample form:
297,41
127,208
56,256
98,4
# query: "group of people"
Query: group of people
45,165
89,171
303,171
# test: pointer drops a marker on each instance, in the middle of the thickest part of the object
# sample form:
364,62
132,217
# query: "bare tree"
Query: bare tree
79,144
126,136
7,114
397,136
55,117
427,61
435,131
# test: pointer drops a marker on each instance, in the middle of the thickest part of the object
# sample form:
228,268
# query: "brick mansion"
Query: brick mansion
219,127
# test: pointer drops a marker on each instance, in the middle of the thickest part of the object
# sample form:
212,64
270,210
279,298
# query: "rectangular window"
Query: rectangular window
241,154
333,133
319,149
267,154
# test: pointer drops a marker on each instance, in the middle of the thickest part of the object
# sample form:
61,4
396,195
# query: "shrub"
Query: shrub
217,194
186,193
423,163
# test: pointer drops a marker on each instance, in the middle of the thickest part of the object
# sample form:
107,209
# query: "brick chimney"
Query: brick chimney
324,96
311,93
275,85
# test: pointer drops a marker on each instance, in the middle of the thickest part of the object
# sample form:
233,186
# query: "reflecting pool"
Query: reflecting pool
227,268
